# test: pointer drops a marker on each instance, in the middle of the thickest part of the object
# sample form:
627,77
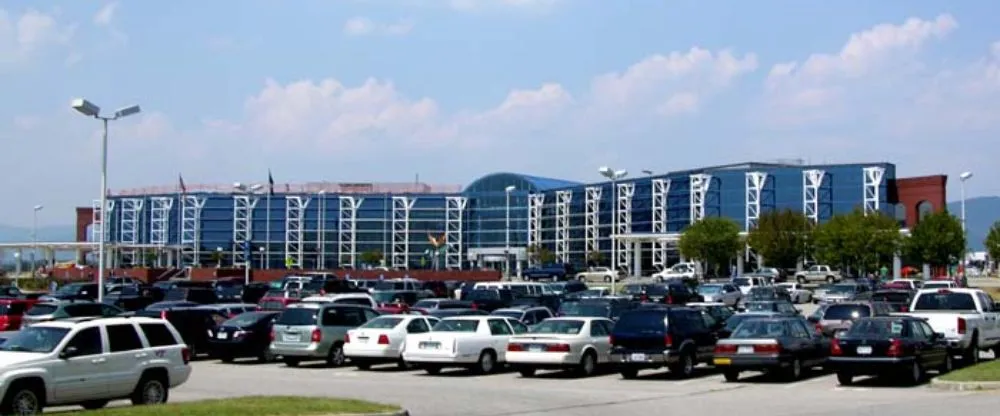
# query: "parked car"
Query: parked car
448,313
246,335
773,345
580,344
427,305
726,293
490,299
967,317
610,308
130,298
840,316
315,331
528,315
898,300
671,336
746,283
196,326
796,292
478,343
671,293
601,274
73,291
680,271
566,288
12,312
555,272
889,345
818,273
57,311
381,340
843,292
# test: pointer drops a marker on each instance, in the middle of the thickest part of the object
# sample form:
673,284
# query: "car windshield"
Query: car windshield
709,289
35,339
758,328
558,326
70,289
846,312
42,309
741,281
298,316
735,320
456,325
762,293
892,297
385,297
642,321
584,309
247,319
382,322
945,301
761,306
842,289
936,285
877,327
516,315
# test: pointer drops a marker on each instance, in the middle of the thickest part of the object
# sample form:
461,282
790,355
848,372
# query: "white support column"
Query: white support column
535,202
699,184
401,207
812,180
661,189
563,199
623,207
129,227
592,219
454,215
295,215
159,220
872,192
637,258
347,227
755,182
243,206
97,220
190,237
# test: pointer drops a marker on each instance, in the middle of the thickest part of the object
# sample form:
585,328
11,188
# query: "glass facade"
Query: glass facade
488,210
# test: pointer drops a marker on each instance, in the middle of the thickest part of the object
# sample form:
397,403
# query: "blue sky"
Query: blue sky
382,90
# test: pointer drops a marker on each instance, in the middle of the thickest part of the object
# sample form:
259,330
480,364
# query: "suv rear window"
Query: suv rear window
298,316
846,312
891,297
42,309
945,301
158,335
638,321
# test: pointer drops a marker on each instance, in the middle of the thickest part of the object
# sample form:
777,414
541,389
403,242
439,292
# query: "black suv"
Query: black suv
672,336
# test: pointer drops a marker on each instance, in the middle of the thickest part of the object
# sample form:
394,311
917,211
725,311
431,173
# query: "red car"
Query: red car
12,311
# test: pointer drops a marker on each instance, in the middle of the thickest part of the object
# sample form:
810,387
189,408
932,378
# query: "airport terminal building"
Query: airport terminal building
632,221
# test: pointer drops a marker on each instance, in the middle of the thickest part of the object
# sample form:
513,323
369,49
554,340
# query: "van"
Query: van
745,283
518,288
315,331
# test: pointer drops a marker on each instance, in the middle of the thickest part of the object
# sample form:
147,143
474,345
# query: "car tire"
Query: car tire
362,365
292,362
800,279
94,404
266,357
403,365
971,355
22,399
487,363
915,374
336,358
684,368
151,390
831,279
948,365
794,371
607,279
526,372
588,364
844,378
432,370
731,376
628,373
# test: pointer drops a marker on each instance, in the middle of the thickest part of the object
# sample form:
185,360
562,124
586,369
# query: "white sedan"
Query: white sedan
562,343
478,343
796,292
381,340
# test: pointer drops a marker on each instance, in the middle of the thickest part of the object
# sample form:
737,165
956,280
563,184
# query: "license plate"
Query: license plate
290,337
222,335
744,349
864,350
637,357
722,361
363,339
536,348
430,345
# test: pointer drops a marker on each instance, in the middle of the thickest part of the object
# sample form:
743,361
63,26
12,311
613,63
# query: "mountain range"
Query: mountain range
980,214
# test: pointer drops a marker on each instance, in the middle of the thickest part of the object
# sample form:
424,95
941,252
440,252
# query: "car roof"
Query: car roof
474,317
107,321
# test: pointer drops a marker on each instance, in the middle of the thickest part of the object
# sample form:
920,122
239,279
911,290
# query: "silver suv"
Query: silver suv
315,331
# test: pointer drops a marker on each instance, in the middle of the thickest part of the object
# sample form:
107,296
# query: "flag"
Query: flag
270,183
180,182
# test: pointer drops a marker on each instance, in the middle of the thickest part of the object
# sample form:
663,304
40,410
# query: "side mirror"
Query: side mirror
68,352
937,336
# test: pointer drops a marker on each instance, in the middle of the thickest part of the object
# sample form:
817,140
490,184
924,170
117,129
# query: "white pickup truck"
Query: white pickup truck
966,317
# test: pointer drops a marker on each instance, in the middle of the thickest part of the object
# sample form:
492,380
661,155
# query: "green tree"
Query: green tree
539,254
781,237
372,257
992,242
216,257
595,258
714,240
937,240
856,240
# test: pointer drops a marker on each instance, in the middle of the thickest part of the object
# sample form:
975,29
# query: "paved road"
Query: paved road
556,395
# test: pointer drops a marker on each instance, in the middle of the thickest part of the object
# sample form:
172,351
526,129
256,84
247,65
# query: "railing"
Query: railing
302,188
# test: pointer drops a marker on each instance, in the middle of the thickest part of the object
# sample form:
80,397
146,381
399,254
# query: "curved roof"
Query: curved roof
497,182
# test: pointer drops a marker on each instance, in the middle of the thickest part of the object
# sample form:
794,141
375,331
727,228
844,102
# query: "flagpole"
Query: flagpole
267,233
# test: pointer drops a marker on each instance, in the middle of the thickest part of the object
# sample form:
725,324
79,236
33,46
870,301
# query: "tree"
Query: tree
937,240
781,237
992,242
372,257
856,240
216,257
714,239
595,258
540,254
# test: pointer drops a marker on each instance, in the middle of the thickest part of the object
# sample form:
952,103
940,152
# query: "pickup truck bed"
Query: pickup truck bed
966,317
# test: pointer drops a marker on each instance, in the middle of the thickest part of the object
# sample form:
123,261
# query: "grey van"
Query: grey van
315,331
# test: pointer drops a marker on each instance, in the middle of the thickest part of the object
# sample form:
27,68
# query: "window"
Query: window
499,327
518,327
927,329
798,330
298,316
15,309
690,321
597,329
708,319
787,308
158,335
417,326
370,314
953,301
383,323
123,338
343,317
917,332
924,208
87,342
846,312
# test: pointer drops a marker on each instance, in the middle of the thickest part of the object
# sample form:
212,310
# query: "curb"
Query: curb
401,412
965,385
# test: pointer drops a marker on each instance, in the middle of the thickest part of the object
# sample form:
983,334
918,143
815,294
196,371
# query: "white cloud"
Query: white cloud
29,34
106,14
361,26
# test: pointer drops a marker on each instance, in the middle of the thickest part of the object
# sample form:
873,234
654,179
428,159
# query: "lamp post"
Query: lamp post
17,267
90,109
218,252
964,177
261,250
614,176
34,237
506,249
321,230
247,261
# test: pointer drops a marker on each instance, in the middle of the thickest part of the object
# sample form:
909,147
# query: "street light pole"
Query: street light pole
34,237
321,231
962,178
90,109
506,250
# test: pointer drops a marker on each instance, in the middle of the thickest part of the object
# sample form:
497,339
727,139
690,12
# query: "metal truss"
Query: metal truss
535,202
243,206
401,207
563,199
755,182
872,191
661,189
624,213
190,238
454,213
97,220
812,180
295,213
159,220
699,184
348,227
592,219
129,228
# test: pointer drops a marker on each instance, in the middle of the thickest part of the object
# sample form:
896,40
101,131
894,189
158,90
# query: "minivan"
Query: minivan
315,331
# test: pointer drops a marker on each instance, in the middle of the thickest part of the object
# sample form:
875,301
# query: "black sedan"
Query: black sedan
889,345
246,335
780,345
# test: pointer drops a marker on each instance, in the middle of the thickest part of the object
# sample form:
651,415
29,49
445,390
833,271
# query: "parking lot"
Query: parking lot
507,394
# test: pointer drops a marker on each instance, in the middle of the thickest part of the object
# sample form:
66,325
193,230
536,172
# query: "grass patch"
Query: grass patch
253,405
986,371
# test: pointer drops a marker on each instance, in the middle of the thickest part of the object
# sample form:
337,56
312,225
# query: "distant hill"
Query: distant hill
980,214
54,233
